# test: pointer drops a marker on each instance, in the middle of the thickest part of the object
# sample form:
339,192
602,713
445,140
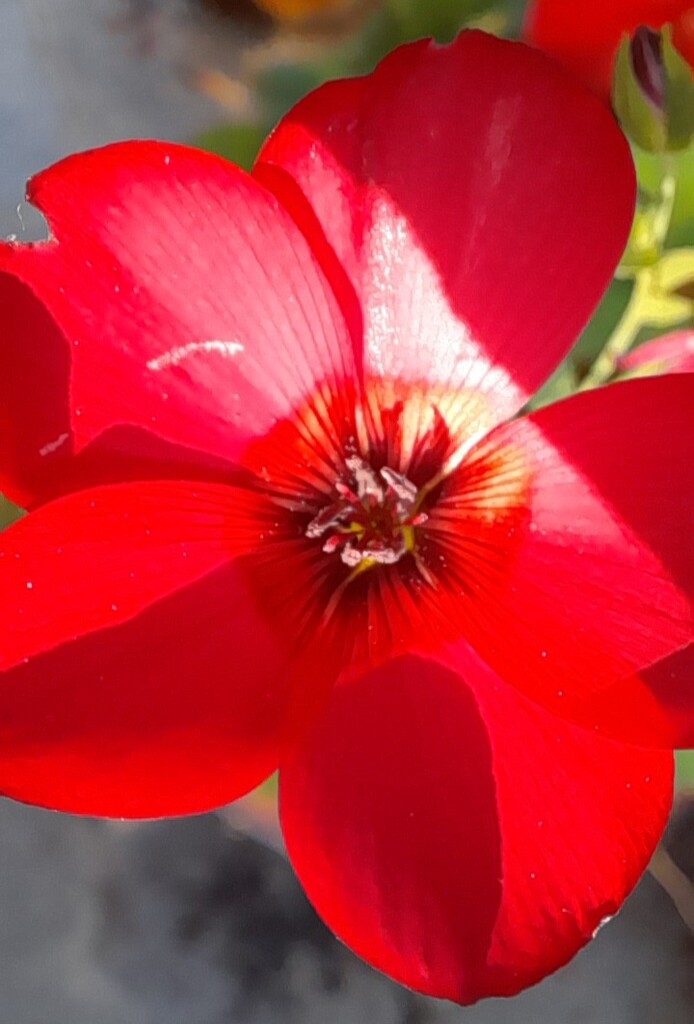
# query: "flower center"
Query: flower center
372,522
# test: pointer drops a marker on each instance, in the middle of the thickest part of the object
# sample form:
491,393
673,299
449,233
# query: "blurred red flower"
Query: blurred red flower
672,353
586,37
284,514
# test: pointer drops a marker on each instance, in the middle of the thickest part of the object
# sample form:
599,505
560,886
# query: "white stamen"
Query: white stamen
368,484
403,487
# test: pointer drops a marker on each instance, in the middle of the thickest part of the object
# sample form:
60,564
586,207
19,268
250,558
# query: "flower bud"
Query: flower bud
653,91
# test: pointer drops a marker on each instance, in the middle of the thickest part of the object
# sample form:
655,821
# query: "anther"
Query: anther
372,520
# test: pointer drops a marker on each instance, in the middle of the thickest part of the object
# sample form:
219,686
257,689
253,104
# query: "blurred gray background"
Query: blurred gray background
194,921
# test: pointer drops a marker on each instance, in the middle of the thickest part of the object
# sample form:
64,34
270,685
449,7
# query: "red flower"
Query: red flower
284,514
673,353
586,37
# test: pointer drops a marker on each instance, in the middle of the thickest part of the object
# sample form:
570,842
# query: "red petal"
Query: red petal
459,187
683,34
142,678
672,683
585,37
570,548
673,353
180,306
460,838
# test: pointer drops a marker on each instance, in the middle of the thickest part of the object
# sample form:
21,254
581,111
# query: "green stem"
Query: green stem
624,335
618,344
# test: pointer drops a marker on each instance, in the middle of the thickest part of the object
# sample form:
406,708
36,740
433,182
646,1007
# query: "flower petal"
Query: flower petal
478,202
459,837
569,548
671,681
671,353
141,675
177,313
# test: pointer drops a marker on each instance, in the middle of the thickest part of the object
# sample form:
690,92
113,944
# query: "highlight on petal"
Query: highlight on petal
176,313
459,837
671,353
141,673
449,194
569,560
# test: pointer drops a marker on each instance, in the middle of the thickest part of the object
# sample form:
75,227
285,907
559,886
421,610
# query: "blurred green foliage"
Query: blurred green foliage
281,84
8,512
650,171
236,142
684,778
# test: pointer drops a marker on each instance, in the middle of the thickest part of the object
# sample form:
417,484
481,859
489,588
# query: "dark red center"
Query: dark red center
373,519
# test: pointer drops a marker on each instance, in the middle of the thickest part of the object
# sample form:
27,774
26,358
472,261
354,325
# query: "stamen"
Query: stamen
403,487
373,520
329,516
368,484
